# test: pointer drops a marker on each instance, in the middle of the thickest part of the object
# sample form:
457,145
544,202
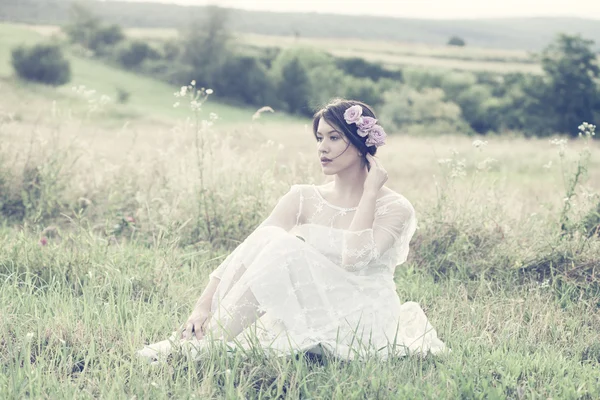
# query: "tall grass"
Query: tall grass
109,236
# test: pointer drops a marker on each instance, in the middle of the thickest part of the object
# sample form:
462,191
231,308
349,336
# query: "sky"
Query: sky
429,9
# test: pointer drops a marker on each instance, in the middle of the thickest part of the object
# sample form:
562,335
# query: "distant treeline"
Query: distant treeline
522,33
299,80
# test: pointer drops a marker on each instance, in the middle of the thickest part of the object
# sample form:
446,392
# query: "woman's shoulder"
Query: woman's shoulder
388,197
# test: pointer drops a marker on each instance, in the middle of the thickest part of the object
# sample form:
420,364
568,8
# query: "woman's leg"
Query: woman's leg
230,320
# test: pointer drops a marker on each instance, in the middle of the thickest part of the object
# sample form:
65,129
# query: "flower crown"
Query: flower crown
367,126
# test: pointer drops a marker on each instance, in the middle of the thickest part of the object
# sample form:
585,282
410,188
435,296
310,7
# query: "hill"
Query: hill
148,98
508,33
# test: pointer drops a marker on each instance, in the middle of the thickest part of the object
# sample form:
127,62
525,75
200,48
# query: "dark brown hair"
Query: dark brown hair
333,113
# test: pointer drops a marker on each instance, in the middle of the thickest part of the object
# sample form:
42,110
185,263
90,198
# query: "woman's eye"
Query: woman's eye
319,139
334,138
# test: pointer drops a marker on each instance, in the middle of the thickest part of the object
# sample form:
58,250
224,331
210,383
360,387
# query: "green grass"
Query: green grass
148,96
74,313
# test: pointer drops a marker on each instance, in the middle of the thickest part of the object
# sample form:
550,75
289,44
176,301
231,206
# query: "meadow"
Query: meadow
118,212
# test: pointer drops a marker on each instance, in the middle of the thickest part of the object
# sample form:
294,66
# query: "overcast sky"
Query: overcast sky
436,9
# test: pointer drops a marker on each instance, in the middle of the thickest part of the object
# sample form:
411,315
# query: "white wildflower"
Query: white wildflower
195,105
193,82
561,144
479,144
183,91
176,104
209,91
213,116
548,165
487,163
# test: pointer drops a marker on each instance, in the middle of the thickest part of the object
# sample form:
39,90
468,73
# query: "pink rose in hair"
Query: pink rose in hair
366,124
353,115
376,137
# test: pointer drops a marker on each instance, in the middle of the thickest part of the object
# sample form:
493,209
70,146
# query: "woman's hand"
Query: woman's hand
196,324
376,177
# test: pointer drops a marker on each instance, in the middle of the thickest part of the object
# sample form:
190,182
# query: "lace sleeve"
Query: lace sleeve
394,226
287,211
285,215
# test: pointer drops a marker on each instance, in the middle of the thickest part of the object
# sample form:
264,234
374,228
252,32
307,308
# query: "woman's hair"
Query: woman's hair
333,113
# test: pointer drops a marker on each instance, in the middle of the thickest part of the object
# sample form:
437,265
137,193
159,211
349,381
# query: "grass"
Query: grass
75,337
514,298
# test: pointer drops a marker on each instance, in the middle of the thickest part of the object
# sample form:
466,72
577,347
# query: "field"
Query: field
113,249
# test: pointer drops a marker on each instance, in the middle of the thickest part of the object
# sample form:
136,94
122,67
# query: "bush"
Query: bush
43,63
104,37
245,79
361,68
132,54
456,41
407,109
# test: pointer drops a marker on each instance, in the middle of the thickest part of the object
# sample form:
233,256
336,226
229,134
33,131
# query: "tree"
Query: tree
245,79
43,63
294,87
456,41
571,95
205,45
88,30
82,24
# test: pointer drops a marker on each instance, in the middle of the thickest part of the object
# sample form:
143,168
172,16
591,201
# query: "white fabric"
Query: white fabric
320,286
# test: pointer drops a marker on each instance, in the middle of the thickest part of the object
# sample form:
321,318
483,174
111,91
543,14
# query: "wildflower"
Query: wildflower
195,105
479,144
193,83
209,91
44,241
258,112
130,220
548,165
561,144
183,91
213,116
487,163
29,335
176,104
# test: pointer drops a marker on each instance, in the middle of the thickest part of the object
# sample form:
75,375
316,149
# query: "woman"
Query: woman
317,274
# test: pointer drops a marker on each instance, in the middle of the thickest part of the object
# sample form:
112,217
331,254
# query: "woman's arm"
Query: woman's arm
201,314
285,215
359,246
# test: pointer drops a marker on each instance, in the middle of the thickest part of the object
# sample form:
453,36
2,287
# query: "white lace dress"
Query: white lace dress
323,288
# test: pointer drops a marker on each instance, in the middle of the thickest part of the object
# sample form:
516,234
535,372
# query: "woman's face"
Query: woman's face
335,151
